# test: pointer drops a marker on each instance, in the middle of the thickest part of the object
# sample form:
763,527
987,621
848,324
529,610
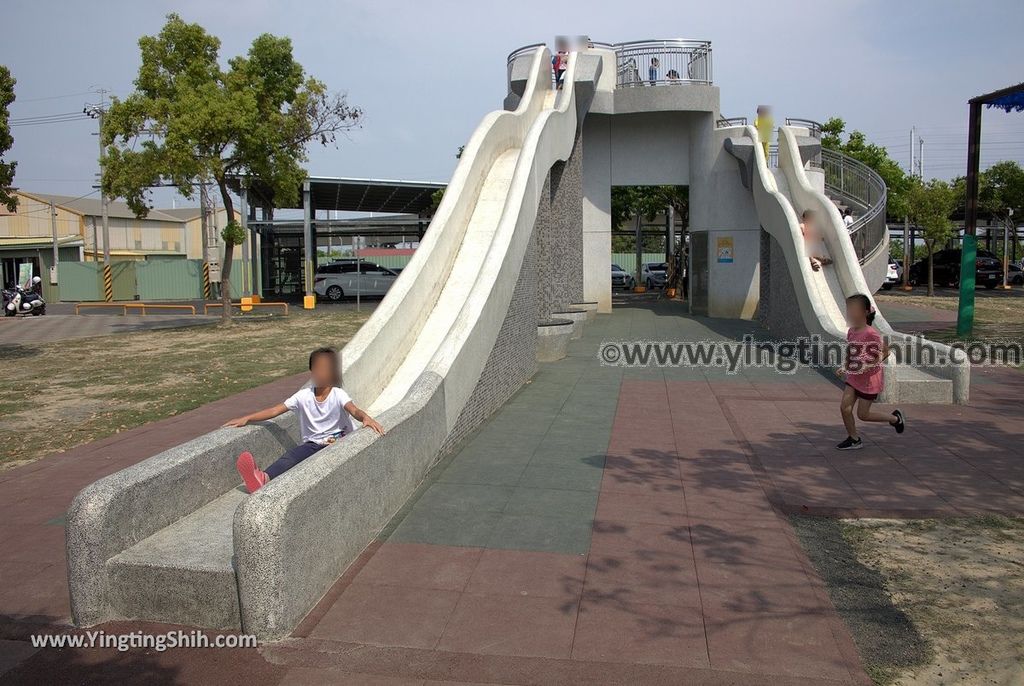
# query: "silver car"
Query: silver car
621,278
347,278
654,274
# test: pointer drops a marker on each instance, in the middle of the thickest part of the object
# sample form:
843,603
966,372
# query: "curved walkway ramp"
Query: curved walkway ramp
174,539
805,302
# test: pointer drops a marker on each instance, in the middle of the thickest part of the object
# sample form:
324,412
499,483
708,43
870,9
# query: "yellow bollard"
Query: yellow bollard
246,304
309,302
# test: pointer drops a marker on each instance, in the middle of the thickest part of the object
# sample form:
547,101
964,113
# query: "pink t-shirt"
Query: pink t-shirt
864,349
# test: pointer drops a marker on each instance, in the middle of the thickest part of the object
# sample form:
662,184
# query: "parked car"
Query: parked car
621,278
893,275
1014,274
653,274
349,277
988,270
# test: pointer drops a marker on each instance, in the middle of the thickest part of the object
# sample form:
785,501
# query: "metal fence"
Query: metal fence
662,63
154,279
669,62
861,188
726,122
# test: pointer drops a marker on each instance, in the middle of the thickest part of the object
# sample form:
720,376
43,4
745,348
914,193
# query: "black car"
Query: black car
988,270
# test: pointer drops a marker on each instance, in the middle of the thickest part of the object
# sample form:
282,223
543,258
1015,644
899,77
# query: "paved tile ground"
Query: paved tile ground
60,324
605,526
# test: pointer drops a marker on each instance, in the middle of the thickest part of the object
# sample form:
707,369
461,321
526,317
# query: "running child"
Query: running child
863,372
325,415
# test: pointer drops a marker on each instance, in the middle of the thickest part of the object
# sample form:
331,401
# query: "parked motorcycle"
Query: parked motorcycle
18,300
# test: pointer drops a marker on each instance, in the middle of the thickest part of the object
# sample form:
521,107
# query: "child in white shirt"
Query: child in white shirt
325,415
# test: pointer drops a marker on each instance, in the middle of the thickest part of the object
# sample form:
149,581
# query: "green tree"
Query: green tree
875,156
191,120
7,196
930,206
1001,193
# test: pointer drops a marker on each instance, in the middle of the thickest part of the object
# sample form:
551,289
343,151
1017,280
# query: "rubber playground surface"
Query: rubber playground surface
607,525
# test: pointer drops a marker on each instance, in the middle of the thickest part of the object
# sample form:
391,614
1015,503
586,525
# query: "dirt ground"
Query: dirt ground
989,307
82,390
961,583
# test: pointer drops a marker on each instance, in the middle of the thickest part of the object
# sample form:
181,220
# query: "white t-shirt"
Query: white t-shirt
848,220
318,421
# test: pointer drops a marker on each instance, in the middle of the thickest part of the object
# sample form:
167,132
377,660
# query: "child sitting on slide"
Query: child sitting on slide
812,239
325,415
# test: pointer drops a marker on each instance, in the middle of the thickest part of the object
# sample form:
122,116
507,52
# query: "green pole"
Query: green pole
965,312
969,252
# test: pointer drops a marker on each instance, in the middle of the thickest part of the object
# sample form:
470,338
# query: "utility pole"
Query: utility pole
204,238
97,111
920,158
908,249
56,252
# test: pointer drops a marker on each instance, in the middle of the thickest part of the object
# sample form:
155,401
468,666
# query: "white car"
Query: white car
340,279
893,275
654,274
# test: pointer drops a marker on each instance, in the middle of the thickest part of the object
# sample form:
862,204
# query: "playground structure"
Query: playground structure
520,244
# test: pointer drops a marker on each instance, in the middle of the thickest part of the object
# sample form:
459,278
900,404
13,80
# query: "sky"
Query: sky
425,73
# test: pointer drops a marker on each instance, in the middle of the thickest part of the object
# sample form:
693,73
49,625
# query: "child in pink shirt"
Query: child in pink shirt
863,373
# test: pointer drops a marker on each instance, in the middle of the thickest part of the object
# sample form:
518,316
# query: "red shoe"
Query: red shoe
252,475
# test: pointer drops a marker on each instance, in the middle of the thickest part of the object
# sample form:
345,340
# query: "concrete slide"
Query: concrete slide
174,538
780,196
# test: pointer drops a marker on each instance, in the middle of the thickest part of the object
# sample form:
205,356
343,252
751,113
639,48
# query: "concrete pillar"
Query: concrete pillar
597,207
309,249
243,201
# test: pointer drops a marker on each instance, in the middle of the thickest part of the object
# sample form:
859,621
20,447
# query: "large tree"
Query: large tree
7,196
930,206
190,121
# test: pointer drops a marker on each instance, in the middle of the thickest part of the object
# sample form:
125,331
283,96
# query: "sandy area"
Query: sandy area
962,584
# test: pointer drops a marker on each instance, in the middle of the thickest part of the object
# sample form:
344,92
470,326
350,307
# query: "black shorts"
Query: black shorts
863,395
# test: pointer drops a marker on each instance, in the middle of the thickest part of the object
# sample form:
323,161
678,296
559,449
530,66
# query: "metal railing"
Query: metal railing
726,122
140,307
860,187
809,124
662,63
651,62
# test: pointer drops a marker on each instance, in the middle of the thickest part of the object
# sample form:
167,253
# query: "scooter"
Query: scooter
24,301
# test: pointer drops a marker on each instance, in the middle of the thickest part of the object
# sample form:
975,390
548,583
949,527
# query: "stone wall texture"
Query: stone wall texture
550,278
778,309
559,236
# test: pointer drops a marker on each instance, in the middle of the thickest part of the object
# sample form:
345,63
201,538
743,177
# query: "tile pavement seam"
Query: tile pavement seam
432,664
833,619
317,613
586,559
762,474
458,601
689,531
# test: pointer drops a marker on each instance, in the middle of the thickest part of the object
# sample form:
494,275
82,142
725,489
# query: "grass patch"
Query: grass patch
90,388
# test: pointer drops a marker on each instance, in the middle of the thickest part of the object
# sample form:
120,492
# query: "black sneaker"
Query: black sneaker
900,425
850,444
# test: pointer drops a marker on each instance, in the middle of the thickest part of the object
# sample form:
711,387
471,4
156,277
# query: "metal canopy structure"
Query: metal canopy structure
1008,99
407,203
342,194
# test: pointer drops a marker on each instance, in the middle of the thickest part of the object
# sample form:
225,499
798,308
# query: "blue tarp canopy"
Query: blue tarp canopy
1008,99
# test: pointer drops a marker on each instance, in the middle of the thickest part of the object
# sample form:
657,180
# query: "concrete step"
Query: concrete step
184,573
914,385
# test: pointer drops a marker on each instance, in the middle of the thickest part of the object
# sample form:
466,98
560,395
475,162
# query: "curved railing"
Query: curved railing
812,126
662,62
726,122
860,186
669,62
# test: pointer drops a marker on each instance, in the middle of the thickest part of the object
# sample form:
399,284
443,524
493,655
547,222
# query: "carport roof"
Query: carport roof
355,195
